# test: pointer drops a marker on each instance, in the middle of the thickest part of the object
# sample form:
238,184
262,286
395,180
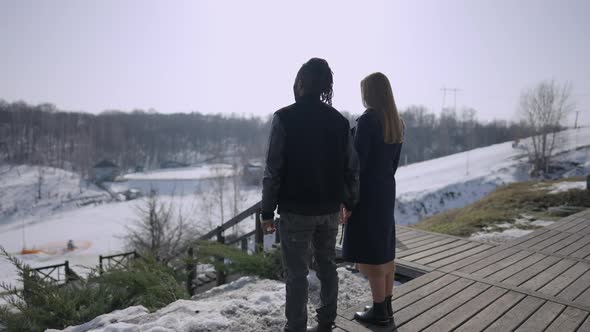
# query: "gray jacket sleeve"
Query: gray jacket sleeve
271,181
351,175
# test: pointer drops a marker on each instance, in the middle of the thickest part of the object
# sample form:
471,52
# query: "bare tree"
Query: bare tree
158,231
544,108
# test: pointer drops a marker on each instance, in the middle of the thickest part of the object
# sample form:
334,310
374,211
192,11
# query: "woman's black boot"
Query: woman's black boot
377,315
389,307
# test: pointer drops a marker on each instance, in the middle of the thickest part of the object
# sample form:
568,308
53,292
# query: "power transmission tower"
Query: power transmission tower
454,91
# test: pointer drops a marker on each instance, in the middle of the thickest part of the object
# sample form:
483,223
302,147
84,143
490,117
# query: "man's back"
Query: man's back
315,155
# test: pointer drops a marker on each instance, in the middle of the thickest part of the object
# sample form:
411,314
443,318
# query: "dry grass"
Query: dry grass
505,204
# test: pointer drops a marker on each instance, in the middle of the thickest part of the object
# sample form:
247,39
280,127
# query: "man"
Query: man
312,175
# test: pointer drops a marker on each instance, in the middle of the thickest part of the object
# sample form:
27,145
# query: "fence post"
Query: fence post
100,270
67,271
258,236
244,244
220,274
191,269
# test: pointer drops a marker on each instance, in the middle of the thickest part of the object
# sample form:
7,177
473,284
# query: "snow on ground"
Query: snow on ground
500,233
565,186
59,189
247,304
100,229
500,236
454,181
185,173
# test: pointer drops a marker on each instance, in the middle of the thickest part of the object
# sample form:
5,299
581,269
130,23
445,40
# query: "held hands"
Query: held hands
344,215
268,226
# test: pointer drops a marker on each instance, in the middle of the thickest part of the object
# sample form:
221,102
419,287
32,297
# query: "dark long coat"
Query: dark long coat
369,235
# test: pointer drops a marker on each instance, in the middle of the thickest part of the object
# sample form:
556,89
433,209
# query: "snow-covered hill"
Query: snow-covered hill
27,191
437,185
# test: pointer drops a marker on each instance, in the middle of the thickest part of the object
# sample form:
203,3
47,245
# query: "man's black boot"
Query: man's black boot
377,315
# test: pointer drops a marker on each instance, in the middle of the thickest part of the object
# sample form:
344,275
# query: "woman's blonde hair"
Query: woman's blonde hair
377,95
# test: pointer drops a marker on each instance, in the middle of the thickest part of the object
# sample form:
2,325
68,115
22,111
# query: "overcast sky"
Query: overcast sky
241,56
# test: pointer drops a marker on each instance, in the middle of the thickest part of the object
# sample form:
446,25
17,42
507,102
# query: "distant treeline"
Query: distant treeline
43,134
430,136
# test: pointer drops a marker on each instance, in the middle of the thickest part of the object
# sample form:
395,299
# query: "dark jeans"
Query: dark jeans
297,233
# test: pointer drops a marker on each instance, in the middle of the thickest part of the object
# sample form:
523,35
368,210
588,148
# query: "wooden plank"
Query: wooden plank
515,316
409,312
582,253
574,246
419,241
480,264
411,244
515,268
436,244
350,326
584,298
440,310
462,263
547,275
537,239
579,227
569,225
410,235
565,279
433,251
447,253
402,229
569,320
585,326
576,288
541,318
502,264
492,312
460,256
411,285
530,272
544,244
467,310
406,300
564,222
563,243
529,236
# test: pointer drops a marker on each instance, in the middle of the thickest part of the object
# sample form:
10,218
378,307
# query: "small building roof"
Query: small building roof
105,164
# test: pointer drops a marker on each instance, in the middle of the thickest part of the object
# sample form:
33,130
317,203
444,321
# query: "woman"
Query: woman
369,238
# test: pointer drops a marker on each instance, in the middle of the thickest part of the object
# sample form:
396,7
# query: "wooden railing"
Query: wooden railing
117,261
218,233
53,273
122,260
61,274
257,232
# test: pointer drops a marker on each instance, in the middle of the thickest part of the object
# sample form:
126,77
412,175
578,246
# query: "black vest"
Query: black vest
312,182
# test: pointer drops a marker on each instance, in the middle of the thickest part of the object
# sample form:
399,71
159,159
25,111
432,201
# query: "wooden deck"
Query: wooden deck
539,282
